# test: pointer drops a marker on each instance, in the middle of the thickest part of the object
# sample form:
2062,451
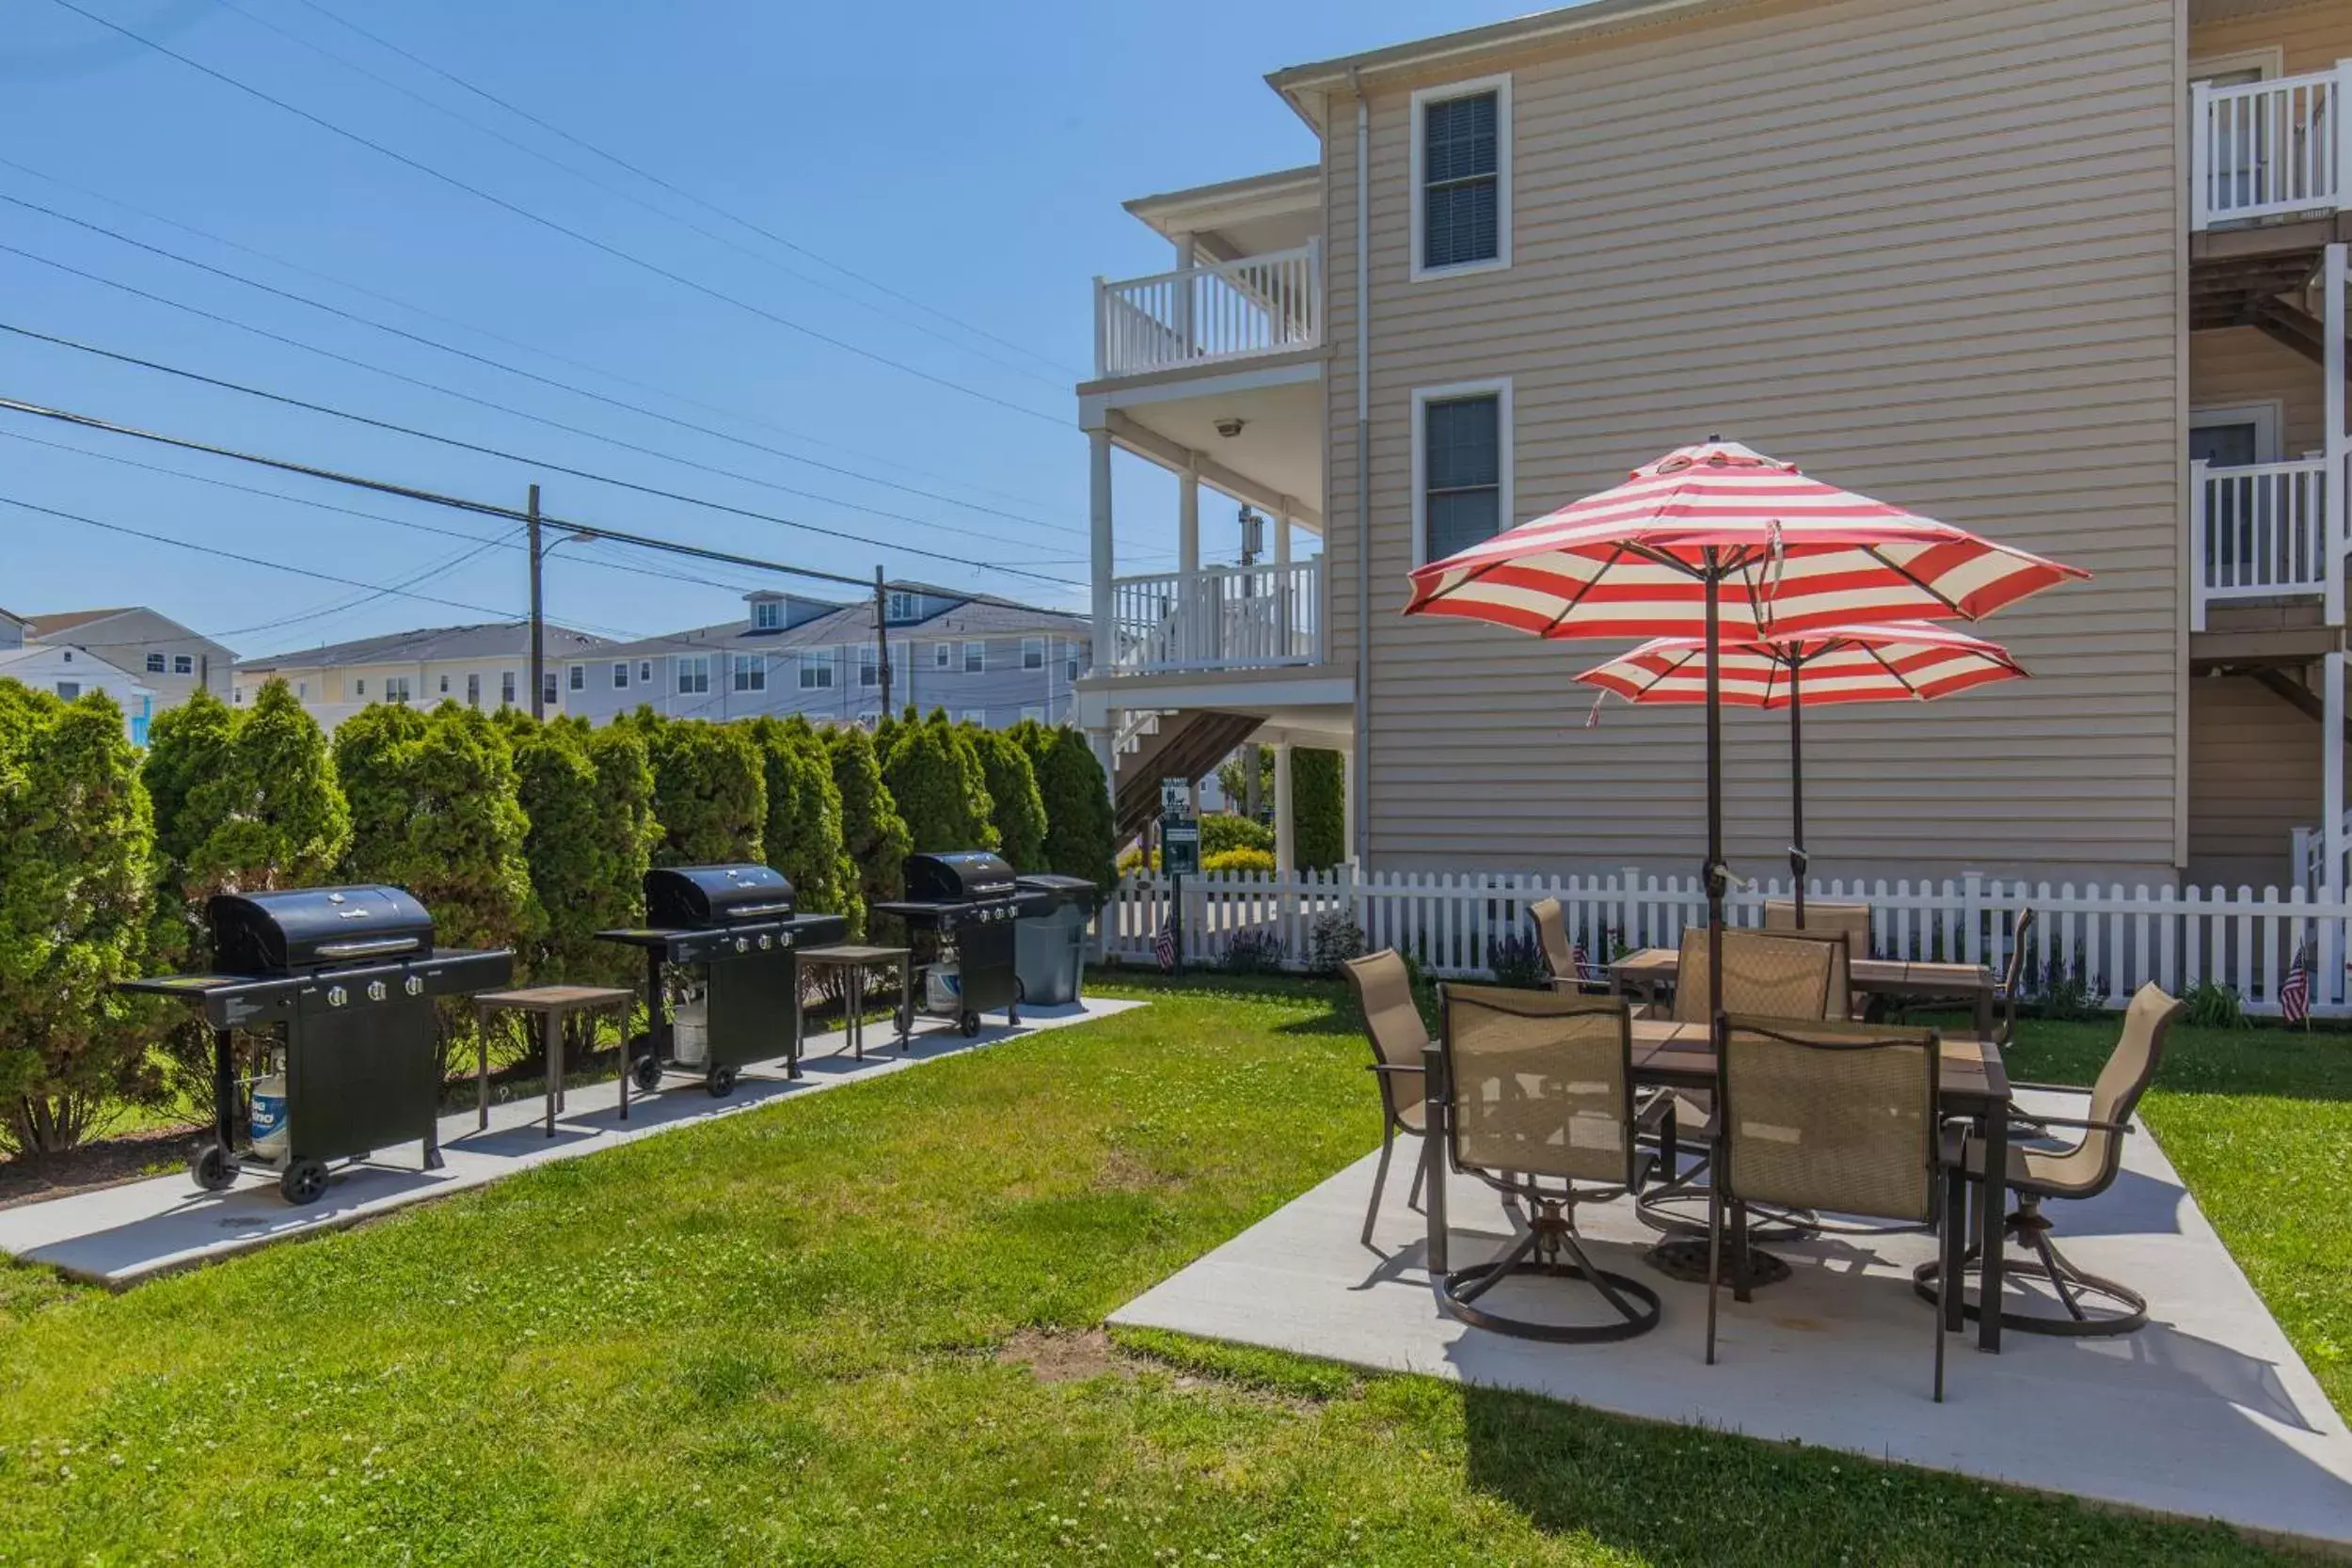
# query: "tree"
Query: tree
1318,796
803,837
185,745
1016,809
1233,775
274,815
433,809
1079,824
77,841
873,834
710,793
935,775
587,851
625,789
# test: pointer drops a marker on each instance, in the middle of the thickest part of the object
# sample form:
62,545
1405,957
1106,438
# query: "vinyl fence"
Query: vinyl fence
2107,940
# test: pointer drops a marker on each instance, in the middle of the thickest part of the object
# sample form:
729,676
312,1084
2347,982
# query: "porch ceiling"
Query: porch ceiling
1279,446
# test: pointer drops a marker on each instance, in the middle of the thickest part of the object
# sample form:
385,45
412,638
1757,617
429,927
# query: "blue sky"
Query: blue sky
972,158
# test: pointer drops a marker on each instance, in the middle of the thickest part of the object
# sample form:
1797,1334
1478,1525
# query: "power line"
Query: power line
341,606
560,385
683,398
676,190
492,404
617,252
538,463
610,189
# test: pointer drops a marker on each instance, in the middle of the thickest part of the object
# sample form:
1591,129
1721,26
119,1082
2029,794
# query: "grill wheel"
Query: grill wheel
213,1170
304,1181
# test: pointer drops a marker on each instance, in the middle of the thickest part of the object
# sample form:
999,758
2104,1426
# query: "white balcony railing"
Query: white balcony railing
2269,149
1219,618
2260,531
1216,310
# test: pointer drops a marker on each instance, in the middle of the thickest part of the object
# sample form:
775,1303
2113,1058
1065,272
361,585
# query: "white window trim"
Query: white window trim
2270,61
747,673
2266,415
943,656
1501,86
183,664
576,678
817,663
1423,397
965,666
620,674
1044,653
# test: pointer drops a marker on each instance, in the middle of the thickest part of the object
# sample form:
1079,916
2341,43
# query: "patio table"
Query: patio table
854,958
551,1006
1650,970
1971,1081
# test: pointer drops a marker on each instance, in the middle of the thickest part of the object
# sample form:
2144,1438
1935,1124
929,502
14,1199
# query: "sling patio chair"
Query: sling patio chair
1799,974
1384,993
1831,1115
1559,956
2085,1170
1537,1096
1851,921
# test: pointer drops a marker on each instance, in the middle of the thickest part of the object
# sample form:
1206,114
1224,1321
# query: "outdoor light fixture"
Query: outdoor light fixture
1229,427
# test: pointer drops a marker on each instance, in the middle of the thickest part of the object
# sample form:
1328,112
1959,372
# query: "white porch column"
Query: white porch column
1282,533
1285,815
1285,592
1350,788
2333,272
1188,519
1105,648
1192,615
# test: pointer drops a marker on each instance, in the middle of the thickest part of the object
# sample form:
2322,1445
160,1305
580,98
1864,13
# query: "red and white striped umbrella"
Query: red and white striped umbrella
1791,552
1895,662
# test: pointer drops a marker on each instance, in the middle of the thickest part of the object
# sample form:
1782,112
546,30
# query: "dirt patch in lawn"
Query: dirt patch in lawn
107,1162
1061,1357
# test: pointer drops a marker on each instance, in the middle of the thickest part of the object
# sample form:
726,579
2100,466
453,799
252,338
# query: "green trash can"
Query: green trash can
1049,941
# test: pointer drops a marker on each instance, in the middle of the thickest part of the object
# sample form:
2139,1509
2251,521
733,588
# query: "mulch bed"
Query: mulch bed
103,1163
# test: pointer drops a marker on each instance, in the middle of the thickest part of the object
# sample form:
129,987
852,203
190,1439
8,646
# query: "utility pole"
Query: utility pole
538,615
881,637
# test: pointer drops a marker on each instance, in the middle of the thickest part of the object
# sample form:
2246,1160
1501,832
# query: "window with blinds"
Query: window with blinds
1461,172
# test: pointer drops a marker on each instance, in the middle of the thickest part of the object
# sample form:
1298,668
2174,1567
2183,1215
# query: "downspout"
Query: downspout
1356,765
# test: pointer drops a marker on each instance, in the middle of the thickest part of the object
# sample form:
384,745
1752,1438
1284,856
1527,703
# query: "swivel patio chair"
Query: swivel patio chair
1832,1115
2086,1170
1552,934
1851,921
1538,1090
1384,993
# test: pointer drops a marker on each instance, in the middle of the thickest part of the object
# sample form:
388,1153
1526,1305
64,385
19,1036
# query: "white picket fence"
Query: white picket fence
2113,938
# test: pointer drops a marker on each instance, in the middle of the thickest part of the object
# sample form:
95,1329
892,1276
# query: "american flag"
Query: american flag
1583,968
2295,996
1164,945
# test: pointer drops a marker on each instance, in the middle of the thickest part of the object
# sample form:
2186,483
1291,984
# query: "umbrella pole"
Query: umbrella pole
1796,787
1718,875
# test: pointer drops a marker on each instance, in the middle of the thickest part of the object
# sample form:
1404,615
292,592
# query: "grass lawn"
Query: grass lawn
863,1327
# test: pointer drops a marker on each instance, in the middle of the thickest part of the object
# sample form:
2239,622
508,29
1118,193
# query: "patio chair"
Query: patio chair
1552,934
1780,914
1539,1091
2085,1170
2012,982
1384,993
1832,1115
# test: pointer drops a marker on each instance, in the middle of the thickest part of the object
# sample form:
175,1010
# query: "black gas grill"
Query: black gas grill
334,986
723,974
959,909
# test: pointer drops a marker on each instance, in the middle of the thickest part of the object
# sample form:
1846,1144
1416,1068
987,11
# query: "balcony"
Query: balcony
2269,149
1219,618
2262,531
1212,313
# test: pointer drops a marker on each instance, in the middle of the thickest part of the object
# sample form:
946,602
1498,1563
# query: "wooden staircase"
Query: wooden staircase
1167,745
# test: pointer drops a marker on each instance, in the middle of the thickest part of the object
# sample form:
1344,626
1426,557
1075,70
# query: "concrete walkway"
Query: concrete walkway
123,1235
2206,1413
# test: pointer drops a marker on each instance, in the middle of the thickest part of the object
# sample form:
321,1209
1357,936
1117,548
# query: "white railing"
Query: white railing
2269,149
1216,311
2259,531
2110,940
1219,618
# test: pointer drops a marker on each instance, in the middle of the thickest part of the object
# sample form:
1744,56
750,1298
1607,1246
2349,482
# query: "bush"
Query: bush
78,880
1133,860
803,837
1223,831
1254,953
1334,938
1079,824
1016,808
2212,1005
1517,960
873,834
935,778
1319,804
586,850
185,745
710,791
1239,859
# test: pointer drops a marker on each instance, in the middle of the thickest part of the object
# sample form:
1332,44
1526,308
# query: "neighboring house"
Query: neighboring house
72,673
993,663
485,666
166,655
12,630
2068,272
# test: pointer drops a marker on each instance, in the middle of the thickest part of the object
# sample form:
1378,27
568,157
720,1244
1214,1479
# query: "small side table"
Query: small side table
551,1005
854,958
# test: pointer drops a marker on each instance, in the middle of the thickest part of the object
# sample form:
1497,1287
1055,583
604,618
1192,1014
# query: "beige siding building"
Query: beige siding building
1997,262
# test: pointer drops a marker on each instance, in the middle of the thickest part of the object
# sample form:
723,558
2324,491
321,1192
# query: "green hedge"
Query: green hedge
873,834
935,776
1016,810
804,835
1317,781
709,790
1079,823
1223,833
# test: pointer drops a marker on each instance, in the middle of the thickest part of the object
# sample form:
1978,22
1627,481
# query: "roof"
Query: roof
484,640
50,626
1551,27
33,653
1172,213
855,624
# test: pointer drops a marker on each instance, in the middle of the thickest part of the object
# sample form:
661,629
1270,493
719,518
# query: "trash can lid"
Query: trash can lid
1045,891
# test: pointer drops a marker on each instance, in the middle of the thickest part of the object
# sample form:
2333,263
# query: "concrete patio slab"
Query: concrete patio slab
119,1236
2206,1413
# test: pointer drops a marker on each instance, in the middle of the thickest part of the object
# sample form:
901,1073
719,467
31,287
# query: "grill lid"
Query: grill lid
700,898
958,876
304,929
